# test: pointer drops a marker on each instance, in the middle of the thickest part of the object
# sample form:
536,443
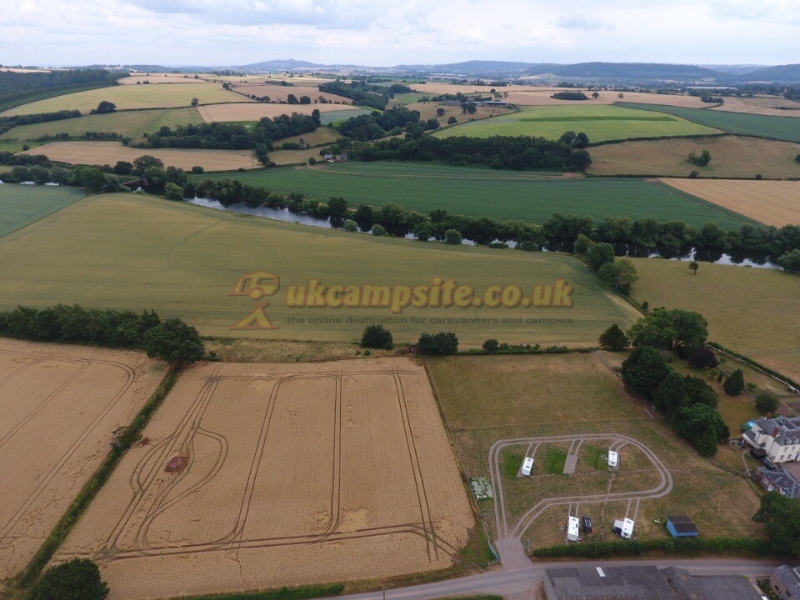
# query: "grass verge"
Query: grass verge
284,593
555,461
94,485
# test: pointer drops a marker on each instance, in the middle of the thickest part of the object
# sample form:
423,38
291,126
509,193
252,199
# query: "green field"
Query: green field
755,312
21,205
489,398
135,252
128,123
335,116
162,95
600,123
779,128
483,192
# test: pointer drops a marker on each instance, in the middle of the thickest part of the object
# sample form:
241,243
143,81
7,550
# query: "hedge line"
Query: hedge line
758,365
284,593
679,546
95,484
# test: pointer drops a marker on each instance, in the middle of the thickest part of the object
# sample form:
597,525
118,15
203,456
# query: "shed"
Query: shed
613,459
573,528
527,465
681,526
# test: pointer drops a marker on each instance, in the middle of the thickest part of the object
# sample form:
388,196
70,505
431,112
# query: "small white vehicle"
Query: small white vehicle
527,465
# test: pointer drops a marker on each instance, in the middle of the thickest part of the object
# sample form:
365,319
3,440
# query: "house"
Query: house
644,583
781,481
785,580
681,526
779,437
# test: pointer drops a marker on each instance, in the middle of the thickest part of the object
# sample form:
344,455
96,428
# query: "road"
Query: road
517,581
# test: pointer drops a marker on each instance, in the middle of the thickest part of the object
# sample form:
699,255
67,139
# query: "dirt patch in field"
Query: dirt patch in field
757,108
254,111
60,406
295,474
108,153
770,202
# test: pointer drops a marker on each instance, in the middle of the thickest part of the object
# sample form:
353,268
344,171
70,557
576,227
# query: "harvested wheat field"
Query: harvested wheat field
60,406
263,475
280,93
108,153
137,78
770,202
256,110
751,106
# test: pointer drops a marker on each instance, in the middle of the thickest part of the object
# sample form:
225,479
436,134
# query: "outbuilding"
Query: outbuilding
681,526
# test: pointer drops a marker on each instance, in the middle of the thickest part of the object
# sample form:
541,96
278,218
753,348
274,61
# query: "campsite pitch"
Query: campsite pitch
60,407
255,476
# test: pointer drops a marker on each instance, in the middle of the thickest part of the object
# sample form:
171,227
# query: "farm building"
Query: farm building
680,526
778,437
645,582
785,580
779,480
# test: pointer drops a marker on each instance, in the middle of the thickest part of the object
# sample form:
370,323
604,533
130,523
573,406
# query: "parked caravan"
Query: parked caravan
527,465
573,529
613,459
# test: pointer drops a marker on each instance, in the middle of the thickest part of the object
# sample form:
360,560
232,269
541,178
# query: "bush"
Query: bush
452,237
491,346
350,225
735,383
701,160
174,342
174,192
378,230
376,336
198,169
703,358
438,344
797,158
614,339
78,579
767,402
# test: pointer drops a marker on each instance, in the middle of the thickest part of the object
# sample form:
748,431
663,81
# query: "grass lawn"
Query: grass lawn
600,123
130,251
779,128
755,312
731,156
132,96
21,205
129,123
488,398
531,196
16,146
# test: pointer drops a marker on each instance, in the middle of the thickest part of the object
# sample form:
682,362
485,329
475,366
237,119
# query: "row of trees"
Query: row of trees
375,125
431,344
16,88
8,123
361,92
171,340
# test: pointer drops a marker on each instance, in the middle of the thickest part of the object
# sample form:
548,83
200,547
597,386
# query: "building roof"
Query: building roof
782,480
790,578
682,524
785,430
719,587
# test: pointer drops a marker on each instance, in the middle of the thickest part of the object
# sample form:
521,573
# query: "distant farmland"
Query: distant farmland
128,123
778,128
600,123
21,205
483,192
132,96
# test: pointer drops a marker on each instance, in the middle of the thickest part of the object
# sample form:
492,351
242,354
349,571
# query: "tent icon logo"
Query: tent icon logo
256,286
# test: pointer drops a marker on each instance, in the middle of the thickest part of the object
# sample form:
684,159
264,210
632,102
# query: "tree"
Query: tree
568,137
350,225
423,231
195,101
78,579
174,192
440,112
620,275
141,164
452,237
735,383
105,107
699,392
292,99
378,230
91,178
797,158
614,339
337,207
123,168
767,402
600,254
654,330
671,395
581,140
174,342
491,345
703,427
693,266
703,358
452,121
582,245
691,330
595,95
781,518
790,262
438,344
644,370
700,160
376,336
469,107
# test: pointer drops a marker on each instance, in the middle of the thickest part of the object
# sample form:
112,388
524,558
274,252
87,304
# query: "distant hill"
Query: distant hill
470,67
656,71
784,73
280,65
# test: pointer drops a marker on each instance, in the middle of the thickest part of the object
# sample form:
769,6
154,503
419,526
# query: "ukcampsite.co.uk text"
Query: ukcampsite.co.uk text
440,294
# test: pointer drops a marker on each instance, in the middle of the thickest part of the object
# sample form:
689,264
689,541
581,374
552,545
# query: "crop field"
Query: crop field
21,205
160,78
235,276
531,196
755,312
427,110
60,405
753,107
731,156
770,202
128,123
778,128
108,153
575,405
254,111
280,93
132,97
600,123
308,473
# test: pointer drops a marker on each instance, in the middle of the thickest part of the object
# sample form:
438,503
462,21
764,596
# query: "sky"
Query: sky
392,32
